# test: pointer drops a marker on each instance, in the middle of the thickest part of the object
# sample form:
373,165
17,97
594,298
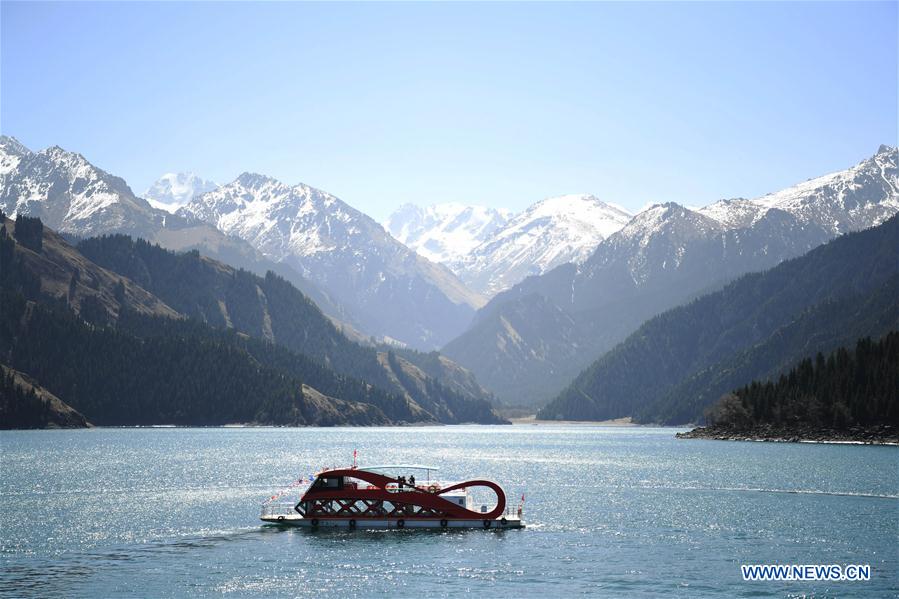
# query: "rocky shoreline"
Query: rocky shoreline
872,435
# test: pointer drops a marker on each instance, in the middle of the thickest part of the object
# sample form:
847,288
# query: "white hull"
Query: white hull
498,523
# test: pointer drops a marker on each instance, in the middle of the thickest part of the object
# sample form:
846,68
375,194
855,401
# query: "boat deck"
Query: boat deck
285,515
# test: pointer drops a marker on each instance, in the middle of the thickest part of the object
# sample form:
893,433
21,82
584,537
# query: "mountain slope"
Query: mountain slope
684,341
443,370
115,353
505,364
392,291
47,336
664,256
115,377
25,404
61,273
271,309
821,328
866,194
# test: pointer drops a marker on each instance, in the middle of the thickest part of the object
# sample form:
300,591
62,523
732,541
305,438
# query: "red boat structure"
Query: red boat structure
391,497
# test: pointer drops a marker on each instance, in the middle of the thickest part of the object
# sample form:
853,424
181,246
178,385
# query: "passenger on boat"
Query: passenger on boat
412,480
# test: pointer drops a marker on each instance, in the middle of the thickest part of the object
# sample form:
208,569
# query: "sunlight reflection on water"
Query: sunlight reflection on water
610,511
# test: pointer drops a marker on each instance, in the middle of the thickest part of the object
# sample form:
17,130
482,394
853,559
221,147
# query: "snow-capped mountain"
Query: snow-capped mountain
393,291
549,233
663,257
668,253
173,190
654,241
73,196
445,233
69,193
862,196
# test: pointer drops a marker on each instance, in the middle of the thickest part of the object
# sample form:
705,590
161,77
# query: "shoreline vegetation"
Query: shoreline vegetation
868,435
850,396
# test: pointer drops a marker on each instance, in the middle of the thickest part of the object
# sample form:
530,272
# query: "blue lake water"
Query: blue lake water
611,511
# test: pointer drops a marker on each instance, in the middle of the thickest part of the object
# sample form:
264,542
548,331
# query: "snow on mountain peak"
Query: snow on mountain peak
734,213
67,192
11,145
444,232
350,255
11,153
279,219
173,190
72,160
657,217
839,202
551,232
586,209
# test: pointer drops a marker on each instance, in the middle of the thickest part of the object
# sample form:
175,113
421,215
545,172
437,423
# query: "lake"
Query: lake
611,511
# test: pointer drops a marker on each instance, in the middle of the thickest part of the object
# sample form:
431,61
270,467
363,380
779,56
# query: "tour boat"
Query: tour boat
381,497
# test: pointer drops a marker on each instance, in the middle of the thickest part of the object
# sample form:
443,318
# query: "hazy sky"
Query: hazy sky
499,104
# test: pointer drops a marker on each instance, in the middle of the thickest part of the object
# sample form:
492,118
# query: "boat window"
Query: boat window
355,483
329,482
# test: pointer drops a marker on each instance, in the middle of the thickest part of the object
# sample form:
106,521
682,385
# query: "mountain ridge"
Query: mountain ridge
394,292
664,256
50,183
497,249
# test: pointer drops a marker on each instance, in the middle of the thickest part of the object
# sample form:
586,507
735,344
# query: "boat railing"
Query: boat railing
429,486
273,510
432,485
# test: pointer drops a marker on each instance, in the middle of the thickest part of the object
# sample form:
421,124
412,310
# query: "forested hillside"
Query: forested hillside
666,351
119,354
272,309
850,387
851,394
25,404
822,328
117,378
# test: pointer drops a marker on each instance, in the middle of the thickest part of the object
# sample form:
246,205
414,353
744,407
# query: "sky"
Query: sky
499,104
